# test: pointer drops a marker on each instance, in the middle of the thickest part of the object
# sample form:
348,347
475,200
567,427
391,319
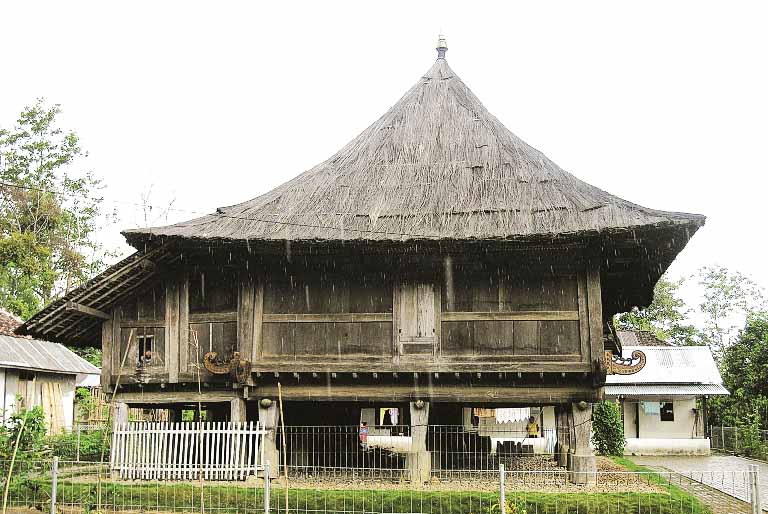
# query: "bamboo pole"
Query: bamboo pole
109,419
15,451
196,342
285,444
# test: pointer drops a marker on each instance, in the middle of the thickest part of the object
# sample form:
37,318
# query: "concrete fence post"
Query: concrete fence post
267,485
754,488
502,490
736,439
54,483
722,437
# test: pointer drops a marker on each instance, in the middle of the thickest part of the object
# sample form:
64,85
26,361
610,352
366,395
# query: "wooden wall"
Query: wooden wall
463,313
327,314
500,312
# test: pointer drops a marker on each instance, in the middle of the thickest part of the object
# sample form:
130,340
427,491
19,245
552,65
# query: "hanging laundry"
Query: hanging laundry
394,415
485,413
513,415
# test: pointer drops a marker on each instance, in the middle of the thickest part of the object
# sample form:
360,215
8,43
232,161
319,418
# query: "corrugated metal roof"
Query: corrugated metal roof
33,354
665,390
672,365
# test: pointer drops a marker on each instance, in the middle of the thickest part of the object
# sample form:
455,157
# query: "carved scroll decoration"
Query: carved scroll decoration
239,369
618,365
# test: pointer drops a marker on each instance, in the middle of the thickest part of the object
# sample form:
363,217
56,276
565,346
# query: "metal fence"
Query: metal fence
74,487
735,439
82,443
383,450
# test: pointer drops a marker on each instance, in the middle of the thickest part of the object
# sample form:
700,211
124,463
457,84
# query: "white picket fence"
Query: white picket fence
180,451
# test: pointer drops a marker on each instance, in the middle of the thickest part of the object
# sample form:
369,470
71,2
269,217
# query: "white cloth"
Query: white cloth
513,415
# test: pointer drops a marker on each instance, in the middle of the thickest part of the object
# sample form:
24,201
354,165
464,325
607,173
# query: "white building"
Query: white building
34,372
664,405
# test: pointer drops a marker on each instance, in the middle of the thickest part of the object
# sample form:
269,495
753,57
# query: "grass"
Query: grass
157,496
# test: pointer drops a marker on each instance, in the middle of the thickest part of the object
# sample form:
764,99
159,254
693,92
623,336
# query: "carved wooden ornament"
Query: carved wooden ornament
618,365
239,369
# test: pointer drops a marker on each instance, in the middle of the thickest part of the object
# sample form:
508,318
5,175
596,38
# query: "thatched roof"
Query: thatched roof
436,166
437,170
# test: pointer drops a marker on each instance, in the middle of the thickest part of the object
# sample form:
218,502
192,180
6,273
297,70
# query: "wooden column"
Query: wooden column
419,460
184,324
563,435
582,466
108,346
237,410
172,337
119,414
245,311
269,416
595,308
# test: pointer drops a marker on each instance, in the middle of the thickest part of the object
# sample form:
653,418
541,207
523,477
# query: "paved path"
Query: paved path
725,473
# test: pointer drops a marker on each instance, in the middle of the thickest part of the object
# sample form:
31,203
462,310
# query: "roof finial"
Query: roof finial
442,47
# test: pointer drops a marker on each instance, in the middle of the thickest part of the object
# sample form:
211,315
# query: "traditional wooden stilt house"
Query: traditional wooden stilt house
435,262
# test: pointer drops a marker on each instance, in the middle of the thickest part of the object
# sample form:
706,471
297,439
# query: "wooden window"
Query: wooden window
667,412
417,320
146,348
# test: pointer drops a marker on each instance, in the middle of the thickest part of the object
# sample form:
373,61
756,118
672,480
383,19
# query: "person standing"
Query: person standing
364,435
532,428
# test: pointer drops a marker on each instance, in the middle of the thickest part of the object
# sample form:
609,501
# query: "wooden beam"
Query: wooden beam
213,317
511,316
88,311
500,394
177,397
356,317
569,365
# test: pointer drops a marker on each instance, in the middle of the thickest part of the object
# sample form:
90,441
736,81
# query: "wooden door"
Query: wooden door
416,319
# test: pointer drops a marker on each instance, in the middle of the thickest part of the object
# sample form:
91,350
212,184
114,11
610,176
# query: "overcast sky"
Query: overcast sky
209,104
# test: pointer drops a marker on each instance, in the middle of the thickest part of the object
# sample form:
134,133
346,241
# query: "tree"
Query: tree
49,212
744,367
726,296
607,429
666,316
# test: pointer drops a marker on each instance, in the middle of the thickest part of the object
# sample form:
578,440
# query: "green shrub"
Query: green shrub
607,429
65,445
750,440
32,441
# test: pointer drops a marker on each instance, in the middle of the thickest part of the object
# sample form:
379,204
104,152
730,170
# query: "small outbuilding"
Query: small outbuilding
664,405
34,372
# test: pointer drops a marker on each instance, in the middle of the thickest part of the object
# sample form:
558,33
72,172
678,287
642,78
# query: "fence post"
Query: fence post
266,487
722,437
754,488
736,438
77,450
502,490
54,483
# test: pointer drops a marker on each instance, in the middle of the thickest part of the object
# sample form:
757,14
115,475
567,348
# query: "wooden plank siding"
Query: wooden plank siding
464,318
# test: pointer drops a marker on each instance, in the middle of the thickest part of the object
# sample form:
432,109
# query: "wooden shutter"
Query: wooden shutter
416,326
